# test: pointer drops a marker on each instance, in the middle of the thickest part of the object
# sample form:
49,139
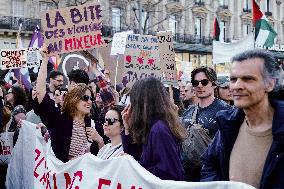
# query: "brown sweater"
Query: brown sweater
249,154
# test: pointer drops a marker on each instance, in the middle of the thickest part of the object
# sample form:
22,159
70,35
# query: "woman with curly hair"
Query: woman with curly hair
152,122
70,128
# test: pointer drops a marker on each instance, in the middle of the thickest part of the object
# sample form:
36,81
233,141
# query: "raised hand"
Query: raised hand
44,52
93,134
125,117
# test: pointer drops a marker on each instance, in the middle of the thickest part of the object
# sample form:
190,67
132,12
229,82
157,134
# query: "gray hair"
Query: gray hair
271,69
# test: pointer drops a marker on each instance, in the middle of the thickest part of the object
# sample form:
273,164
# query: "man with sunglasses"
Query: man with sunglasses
203,80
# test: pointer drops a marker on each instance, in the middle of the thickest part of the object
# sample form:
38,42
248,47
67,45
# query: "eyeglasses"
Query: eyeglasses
204,82
86,98
59,81
56,94
226,87
111,121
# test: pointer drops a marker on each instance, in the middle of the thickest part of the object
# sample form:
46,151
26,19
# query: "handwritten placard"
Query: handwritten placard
141,58
167,58
20,58
73,28
119,42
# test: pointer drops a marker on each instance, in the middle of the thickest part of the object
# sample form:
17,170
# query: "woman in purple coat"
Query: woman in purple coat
152,130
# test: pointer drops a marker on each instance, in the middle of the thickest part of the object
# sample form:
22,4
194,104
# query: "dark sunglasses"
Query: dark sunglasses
86,98
204,82
111,121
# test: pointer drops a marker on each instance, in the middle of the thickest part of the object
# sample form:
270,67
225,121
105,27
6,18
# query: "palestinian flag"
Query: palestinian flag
264,33
216,31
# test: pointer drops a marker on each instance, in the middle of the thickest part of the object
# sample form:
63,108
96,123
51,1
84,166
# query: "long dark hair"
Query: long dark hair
20,96
149,101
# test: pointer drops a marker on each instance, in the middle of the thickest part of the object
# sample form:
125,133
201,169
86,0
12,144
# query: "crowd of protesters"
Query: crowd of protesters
242,117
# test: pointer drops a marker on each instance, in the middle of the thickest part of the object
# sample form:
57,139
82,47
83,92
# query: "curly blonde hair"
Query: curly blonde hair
73,97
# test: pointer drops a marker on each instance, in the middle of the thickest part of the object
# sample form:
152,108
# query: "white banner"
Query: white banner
20,58
6,141
119,42
223,52
33,165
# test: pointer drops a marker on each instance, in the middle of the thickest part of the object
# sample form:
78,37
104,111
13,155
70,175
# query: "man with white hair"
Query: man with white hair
249,146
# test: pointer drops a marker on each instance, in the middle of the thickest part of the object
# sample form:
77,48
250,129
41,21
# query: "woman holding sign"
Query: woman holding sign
151,121
70,128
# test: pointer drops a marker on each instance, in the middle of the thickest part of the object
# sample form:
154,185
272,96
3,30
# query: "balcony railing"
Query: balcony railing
268,13
109,31
246,10
192,39
223,7
13,23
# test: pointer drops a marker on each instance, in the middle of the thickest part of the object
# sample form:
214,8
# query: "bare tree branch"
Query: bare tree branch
56,3
145,23
133,9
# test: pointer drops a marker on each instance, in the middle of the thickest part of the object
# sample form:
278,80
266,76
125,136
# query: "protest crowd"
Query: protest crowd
207,129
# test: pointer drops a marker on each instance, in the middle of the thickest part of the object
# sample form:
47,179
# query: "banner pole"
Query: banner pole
116,70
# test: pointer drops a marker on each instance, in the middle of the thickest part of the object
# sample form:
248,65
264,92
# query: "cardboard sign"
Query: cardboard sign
167,58
33,165
73,28
20,58
110,63
119,42
141,58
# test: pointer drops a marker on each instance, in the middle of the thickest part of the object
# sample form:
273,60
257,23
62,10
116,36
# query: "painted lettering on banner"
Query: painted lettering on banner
73,28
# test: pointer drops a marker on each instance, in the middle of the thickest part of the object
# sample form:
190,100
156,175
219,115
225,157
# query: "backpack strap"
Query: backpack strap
194,115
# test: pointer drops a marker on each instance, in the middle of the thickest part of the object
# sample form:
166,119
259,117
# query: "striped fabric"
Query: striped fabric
108,151
79,141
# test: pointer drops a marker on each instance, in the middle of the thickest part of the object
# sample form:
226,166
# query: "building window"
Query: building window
198,28
222,2
44,6
173,24
18,8
247,5
223,31
199,2
116,19
246,29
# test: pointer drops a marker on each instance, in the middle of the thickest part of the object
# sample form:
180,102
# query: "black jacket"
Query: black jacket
216,159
